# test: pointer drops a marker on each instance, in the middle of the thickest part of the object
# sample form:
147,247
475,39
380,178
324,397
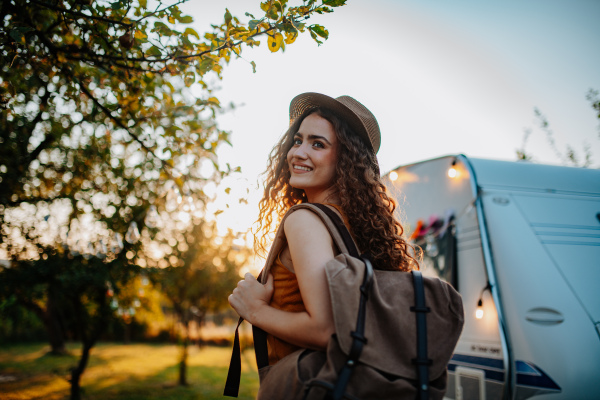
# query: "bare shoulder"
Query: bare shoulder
309,241
302,222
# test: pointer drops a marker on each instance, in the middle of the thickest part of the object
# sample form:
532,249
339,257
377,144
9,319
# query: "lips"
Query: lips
302,168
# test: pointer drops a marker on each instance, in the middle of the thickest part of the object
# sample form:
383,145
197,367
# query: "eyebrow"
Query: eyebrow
314,137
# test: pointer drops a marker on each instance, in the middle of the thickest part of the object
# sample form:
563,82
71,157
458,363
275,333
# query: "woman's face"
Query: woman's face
312,158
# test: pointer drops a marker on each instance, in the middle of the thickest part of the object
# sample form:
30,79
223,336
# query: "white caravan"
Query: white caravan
521,243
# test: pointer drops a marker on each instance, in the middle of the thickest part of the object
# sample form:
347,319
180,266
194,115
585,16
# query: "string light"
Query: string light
393,176
452,171
479,310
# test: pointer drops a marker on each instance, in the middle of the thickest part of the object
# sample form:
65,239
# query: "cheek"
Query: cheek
332,161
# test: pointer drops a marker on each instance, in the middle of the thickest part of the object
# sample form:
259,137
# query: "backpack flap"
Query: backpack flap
390,326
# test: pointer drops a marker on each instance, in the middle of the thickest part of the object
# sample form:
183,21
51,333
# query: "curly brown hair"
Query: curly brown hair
374,228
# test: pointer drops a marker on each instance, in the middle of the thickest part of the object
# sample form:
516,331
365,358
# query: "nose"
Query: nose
300,151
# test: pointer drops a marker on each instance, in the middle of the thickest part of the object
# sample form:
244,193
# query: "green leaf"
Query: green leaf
189,79
298,25
253,66
315,37
18,33
190,31
227,16
334,3
206,65
272,13
153,51
144,3
162,28
319,30
249,15
323,10
253,24
286,27
186,19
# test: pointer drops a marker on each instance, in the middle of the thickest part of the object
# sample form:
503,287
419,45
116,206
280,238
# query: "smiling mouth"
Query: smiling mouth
301,168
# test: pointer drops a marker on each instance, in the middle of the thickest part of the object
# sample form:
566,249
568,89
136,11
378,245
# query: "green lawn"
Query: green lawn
121,372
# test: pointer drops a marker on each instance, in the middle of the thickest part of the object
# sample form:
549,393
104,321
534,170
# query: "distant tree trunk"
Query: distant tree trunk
77,371
89,333
127,331
50,316
184,351
54,327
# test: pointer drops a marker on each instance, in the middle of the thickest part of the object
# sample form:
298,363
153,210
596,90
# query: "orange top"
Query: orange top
286,297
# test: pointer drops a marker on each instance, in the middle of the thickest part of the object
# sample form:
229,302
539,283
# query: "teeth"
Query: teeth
302,168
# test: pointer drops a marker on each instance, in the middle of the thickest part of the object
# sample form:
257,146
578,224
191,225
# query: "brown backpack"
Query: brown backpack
380,349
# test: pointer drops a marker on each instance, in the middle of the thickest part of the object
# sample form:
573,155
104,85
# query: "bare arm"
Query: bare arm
311,248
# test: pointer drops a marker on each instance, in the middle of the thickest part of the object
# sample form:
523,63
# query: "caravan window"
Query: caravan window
437,240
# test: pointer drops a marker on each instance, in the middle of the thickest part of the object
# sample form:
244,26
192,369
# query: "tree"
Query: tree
208,270
98,129
569,156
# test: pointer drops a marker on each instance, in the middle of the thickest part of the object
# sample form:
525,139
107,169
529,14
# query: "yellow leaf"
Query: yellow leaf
290,37
275,42
140,34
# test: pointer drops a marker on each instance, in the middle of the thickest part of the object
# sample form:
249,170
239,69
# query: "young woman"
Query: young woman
327,156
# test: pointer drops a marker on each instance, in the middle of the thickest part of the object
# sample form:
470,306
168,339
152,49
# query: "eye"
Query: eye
319,145
297,141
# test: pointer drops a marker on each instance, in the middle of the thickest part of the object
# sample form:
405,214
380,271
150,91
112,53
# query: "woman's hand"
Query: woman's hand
250,296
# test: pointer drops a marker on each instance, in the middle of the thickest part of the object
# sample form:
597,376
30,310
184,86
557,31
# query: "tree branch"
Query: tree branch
80,14
117,121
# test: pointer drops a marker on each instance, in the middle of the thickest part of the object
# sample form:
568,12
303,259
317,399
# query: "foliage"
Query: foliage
569,156
108,122
208,272
97,108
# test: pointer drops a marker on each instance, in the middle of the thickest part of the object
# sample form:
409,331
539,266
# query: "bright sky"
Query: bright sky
441,77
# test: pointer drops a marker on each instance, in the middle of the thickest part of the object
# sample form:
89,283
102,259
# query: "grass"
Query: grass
121,372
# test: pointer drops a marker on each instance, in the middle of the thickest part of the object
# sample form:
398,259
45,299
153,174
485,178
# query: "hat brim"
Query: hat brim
308,101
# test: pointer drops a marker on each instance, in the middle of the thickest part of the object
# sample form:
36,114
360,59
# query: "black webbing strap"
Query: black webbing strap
358,335
260,347
232,384
422,362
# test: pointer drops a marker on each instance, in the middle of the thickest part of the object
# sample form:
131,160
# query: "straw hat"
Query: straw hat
358,117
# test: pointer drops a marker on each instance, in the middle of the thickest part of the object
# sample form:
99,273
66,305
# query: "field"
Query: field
121,372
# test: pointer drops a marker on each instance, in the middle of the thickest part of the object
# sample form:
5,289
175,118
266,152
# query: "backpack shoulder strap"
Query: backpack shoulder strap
422,361
332,221
340,228
343,240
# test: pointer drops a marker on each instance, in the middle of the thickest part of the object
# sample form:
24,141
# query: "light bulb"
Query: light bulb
479,313
393,176
452,172
479,310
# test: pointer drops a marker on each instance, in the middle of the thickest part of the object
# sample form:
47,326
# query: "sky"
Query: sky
441,77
